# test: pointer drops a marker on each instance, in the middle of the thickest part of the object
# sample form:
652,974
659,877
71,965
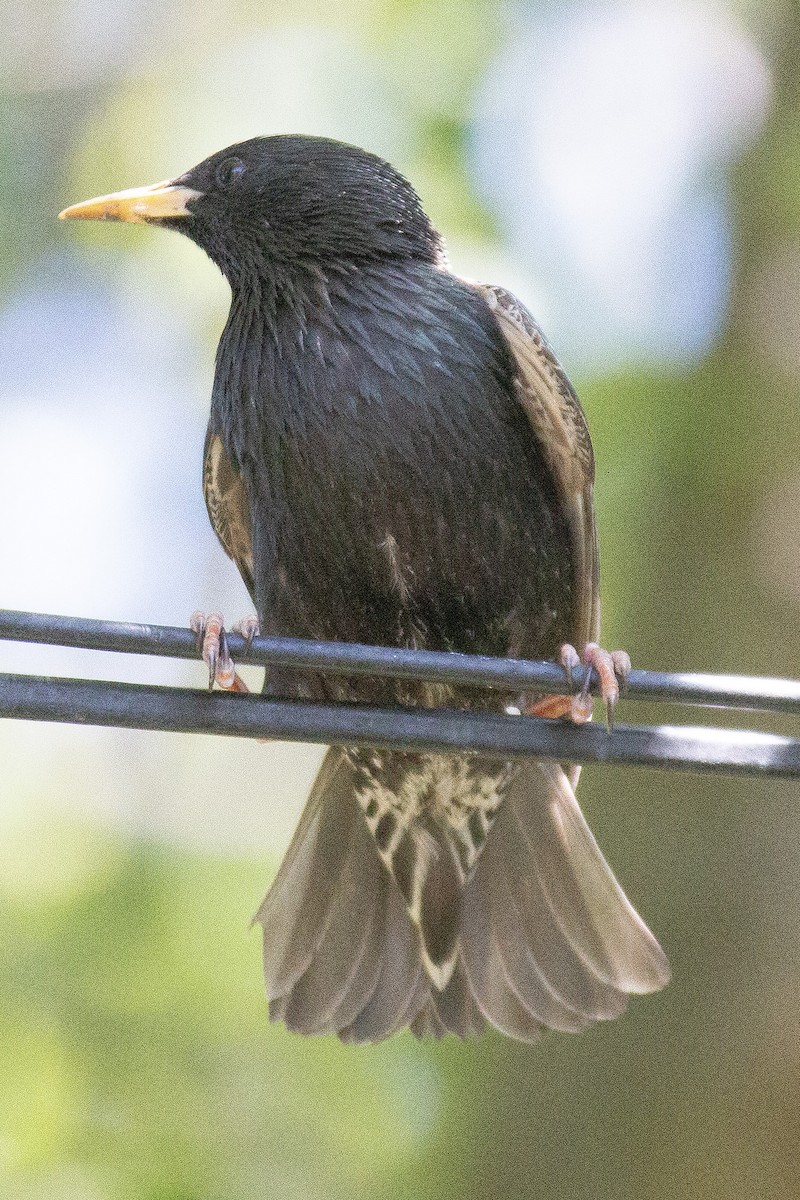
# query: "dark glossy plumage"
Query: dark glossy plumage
402,483
395,456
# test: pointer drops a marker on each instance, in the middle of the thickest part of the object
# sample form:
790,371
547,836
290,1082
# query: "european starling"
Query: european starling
394,456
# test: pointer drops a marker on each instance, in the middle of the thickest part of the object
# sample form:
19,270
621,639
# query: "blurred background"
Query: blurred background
632,171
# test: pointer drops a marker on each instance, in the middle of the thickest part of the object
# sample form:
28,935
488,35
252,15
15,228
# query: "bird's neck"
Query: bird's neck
289,334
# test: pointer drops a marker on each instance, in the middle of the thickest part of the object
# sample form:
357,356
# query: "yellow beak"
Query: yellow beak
152,203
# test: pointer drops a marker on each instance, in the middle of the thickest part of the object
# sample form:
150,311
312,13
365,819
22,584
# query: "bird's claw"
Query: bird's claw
612,668
213,645
569,659
248,628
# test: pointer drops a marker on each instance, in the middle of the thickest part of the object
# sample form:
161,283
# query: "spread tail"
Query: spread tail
540,936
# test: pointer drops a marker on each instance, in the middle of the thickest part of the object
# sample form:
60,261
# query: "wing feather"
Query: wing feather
228,510
557,420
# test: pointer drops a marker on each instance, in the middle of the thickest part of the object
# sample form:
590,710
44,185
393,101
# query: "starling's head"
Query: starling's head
284,200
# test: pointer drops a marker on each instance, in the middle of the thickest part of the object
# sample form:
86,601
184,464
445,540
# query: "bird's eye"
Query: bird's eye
228,172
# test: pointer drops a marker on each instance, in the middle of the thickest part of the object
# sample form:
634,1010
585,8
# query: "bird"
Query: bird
394,456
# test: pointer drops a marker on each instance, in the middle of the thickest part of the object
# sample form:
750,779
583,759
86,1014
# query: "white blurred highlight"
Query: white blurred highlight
602,136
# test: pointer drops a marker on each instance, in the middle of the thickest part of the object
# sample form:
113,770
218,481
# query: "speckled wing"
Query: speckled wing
227,506
557,420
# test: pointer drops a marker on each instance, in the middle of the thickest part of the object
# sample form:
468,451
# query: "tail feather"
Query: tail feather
297,907
487,979
516,955
343,972
360,985
544,935
503,973
545,920
340,953
437,908
587,903
535,951
453,1010
429,815
401,987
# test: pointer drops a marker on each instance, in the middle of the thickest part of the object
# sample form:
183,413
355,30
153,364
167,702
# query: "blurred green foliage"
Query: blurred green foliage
136,1060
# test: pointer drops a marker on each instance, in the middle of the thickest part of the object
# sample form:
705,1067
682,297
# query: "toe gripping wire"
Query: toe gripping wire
196,710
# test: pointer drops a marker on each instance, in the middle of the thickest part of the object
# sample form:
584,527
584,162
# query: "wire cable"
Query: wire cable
138,706
728,691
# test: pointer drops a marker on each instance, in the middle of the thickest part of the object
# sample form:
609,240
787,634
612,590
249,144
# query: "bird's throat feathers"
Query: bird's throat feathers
306,345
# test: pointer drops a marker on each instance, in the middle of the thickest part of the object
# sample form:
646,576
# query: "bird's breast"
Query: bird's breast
397,494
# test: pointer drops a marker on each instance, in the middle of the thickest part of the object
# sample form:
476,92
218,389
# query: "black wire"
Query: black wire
136,706
515,675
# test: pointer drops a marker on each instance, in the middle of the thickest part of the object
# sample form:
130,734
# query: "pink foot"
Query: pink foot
213,645
612,668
